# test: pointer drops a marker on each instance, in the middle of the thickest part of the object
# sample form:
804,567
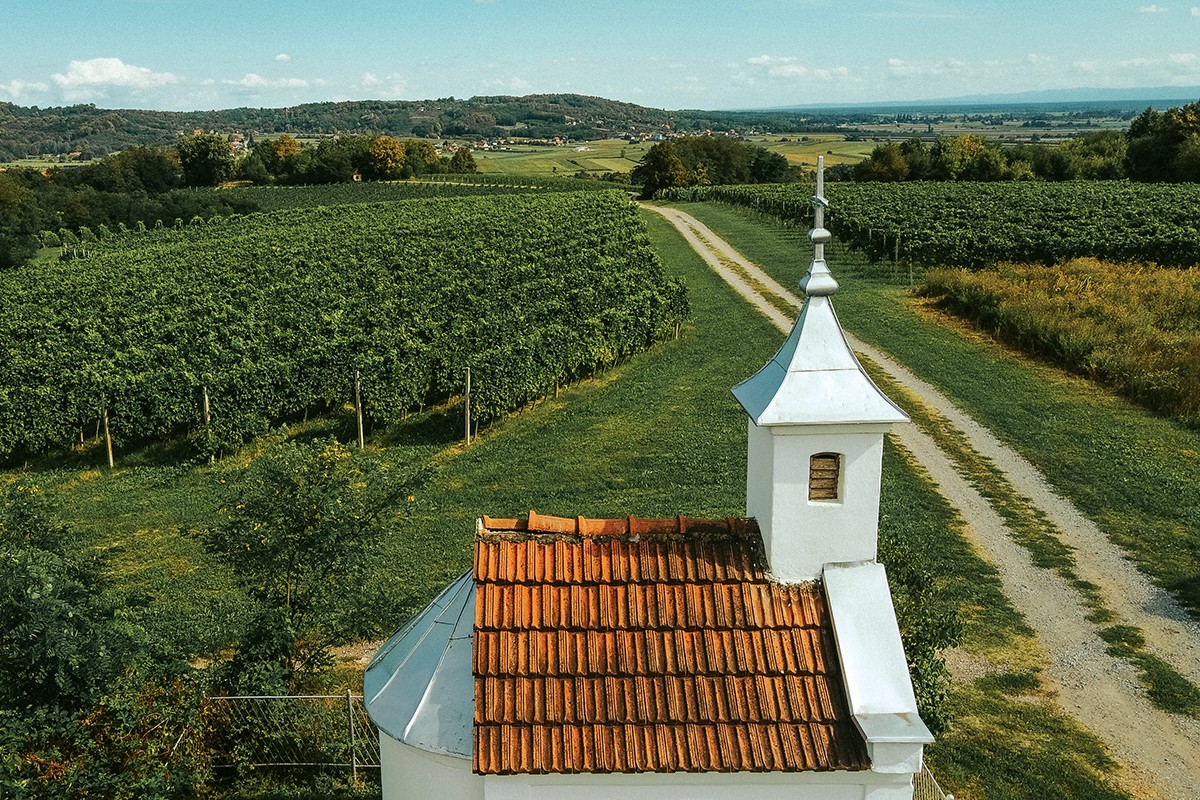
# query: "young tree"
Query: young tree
301,530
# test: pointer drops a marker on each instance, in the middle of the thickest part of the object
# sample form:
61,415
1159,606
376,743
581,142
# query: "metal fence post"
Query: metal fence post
350,726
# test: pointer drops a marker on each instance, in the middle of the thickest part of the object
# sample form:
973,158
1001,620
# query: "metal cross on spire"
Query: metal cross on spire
818,282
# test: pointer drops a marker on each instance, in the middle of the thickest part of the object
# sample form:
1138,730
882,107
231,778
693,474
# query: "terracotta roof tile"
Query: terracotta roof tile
636,645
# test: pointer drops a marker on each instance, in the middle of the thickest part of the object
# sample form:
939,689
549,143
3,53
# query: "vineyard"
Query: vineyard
278,198
1133,327
975,224
272,314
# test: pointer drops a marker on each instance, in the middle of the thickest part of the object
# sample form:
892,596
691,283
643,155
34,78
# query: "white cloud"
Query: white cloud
100,73
1183,58
1153,9
16,89
765,60
388,86
518,84
254,81
788,71
1196,11
283,58
831,74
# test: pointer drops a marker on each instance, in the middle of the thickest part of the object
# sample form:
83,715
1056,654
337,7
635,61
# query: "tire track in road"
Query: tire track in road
1099,690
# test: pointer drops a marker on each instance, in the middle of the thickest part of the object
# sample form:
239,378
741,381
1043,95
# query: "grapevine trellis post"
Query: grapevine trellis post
358,408
107,435
467,410
212,458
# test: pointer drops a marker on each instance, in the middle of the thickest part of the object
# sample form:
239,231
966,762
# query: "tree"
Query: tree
1097,156
916,155
1157,141
660,168
386,158
420,157
20,220
206,159
336,160
967,158
251,168
463,161
301,529
88,706
887,163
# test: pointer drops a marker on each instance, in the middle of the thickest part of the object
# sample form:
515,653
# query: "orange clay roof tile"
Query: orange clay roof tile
649,645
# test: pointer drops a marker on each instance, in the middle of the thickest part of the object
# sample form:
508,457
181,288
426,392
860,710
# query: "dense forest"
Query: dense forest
93,132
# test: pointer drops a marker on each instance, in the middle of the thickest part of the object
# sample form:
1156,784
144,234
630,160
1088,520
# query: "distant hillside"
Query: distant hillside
90,131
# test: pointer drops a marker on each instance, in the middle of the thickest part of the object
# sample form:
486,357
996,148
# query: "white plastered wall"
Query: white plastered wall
862,785
802,535
408,773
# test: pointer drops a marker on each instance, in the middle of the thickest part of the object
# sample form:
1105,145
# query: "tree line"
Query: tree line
1158,147
147,184
708,160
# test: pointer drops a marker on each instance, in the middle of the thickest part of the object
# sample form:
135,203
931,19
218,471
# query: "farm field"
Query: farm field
271,315
803,148
607,155
278,198
659,434
1132,327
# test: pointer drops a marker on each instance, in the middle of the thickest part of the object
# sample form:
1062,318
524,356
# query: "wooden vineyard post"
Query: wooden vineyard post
358,408
107,436
204,410
467,410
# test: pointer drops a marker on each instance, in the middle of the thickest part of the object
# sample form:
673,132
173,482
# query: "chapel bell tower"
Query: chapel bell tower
816,431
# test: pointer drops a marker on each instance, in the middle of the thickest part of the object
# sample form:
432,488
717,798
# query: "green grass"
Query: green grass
1136,474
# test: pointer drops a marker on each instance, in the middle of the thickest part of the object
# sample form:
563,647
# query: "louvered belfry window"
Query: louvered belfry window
824,475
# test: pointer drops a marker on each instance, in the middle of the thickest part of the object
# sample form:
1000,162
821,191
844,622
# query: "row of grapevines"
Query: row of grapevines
974,224
274,312
276,198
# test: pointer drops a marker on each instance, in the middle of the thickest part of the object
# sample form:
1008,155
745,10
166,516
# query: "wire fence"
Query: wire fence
331,731
925,786
290,731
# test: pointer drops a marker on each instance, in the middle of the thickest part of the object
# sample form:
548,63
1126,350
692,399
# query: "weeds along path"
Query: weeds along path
1098,689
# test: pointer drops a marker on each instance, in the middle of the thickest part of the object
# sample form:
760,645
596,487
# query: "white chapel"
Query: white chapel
663,659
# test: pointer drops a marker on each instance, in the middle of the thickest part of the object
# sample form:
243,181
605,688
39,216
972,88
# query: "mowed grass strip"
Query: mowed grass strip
1134,473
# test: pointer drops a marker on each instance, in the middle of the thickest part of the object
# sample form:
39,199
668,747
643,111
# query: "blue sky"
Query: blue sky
202,54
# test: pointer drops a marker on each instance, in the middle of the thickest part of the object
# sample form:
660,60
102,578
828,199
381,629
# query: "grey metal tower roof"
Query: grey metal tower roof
815,379
419,688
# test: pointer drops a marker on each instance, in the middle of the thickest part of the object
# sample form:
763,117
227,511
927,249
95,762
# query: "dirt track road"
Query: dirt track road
1158,749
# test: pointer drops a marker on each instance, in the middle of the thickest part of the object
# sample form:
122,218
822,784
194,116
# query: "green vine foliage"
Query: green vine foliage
274,312
966,224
